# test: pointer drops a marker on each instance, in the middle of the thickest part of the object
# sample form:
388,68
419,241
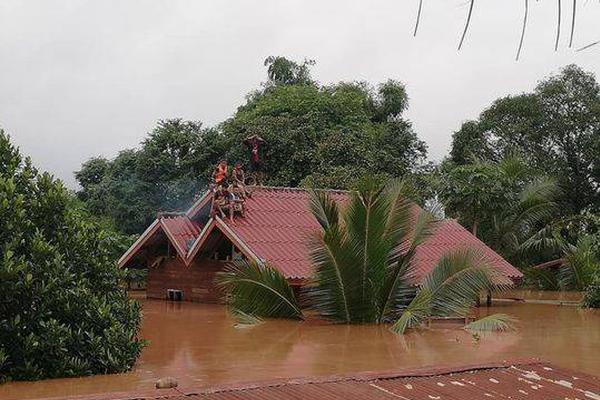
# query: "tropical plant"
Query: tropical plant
259,290
506,203
495,322
62,310
363,273
555,128
451,290
580,264
591,297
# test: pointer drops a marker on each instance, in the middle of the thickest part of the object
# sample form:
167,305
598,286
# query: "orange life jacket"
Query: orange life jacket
221,173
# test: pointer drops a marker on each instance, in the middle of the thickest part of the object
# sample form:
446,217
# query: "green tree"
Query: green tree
320,136
556,129
361,275
170,168
62,311
507,204
327,136
282,71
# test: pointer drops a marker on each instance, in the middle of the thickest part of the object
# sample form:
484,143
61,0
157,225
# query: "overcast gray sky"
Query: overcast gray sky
86,78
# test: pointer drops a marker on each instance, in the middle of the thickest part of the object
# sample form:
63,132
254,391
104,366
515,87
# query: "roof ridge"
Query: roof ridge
302,189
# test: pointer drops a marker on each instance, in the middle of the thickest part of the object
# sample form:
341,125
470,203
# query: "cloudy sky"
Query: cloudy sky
86,78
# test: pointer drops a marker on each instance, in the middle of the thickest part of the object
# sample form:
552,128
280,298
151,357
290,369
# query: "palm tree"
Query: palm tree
580,262
363,269
516,229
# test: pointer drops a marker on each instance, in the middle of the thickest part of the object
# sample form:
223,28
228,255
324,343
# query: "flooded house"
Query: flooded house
184,251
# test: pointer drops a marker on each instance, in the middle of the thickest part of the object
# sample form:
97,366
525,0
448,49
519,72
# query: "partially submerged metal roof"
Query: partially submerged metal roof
530,380
276,226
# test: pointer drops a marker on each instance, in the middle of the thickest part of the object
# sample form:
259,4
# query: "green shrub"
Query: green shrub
62,311
591,298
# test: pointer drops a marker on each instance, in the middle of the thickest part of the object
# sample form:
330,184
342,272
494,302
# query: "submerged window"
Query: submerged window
174,294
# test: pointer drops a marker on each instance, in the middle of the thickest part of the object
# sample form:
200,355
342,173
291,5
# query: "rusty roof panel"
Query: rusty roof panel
526,380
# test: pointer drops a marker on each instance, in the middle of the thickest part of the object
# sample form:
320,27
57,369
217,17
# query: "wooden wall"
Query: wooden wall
196,281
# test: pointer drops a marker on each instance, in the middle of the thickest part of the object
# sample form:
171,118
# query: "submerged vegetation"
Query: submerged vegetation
62,312
363,274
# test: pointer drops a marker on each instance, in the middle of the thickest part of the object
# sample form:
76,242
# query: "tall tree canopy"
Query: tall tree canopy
165,173
62,312
317,135
556,128
505,203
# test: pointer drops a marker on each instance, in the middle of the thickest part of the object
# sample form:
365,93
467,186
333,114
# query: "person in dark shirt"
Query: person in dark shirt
238,178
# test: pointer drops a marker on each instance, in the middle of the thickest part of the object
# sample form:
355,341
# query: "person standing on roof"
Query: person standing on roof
255,143
220,173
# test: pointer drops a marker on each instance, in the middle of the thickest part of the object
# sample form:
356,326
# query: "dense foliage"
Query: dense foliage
506,203
591,298
556,128
165,173
324,136
62,312
360,276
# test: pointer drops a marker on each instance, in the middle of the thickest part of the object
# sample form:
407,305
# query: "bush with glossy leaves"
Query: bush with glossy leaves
62,310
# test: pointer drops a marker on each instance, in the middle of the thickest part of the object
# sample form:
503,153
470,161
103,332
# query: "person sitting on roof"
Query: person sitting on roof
221,203
238,177
236,199
220,173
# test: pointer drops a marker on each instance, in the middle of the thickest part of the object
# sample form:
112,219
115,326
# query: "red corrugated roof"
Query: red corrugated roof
276,226
182,230
449,235
278,221
533,380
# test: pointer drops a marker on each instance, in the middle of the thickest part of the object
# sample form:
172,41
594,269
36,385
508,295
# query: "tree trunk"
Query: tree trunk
474,228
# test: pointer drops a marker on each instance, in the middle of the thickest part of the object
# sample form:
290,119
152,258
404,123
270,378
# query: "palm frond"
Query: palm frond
581,263
417,311
523,29
458,280
324,208
336,282
587,46
397,286
397,291
244,320
418,17
558,20
574,17
467,23
259,290
492,323
369,243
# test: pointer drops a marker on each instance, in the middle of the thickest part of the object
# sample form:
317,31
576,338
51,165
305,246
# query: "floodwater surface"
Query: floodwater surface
199,345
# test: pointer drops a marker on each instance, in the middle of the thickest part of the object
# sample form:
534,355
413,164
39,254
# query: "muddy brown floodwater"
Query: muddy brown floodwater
199,345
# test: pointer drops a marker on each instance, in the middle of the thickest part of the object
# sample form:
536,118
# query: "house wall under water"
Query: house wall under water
196,281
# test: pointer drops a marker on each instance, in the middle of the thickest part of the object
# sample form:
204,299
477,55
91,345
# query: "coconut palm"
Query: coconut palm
362,260
518,229
580,262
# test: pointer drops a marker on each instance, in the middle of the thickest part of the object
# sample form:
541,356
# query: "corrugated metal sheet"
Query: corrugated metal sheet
278,221
182,229
530,380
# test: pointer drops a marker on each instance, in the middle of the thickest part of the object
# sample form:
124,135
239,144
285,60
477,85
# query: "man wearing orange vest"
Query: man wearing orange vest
220,173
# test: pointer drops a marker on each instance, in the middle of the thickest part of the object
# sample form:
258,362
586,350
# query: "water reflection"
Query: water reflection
199,345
